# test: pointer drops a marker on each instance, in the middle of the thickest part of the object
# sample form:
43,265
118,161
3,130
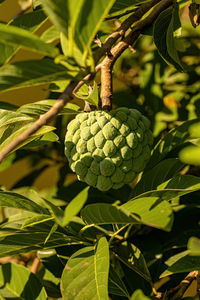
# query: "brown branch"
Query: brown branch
177,292
108,61
120,32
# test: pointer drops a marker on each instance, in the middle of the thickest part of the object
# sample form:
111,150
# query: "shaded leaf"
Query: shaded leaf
13,35
7,162
174,23
75,206
160,30
86,273
132,257
180,263
20,282
115,285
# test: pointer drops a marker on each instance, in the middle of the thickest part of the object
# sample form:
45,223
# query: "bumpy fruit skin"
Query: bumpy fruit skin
108,149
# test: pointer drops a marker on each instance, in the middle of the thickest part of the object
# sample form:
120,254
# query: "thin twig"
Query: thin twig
35,265
177,292
67,95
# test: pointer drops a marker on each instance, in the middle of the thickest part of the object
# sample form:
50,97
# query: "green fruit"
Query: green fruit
108,149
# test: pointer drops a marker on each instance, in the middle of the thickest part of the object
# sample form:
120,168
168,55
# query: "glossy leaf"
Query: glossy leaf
75,206
102,213
13,35
32,73
20,283
86,273
181,263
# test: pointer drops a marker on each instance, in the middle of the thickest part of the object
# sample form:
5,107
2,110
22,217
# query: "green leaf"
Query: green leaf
32,73
12,124
194,246
41,107
88,22
31,22
115,285
49,137
86,273
163,171
132,257
181,263
33,239
89,96
173,139
151,211
58,13
75,206
50,35
7,162
102,213
20,283
13,35
174,23
10,199
160,30
139,295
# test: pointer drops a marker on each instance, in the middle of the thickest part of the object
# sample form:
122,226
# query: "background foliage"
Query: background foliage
71,241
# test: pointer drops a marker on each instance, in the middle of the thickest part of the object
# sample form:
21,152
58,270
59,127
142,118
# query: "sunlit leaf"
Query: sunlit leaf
16,36
86,273
75,206
20,283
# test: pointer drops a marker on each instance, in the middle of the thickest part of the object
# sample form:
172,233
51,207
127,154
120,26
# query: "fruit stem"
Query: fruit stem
106,84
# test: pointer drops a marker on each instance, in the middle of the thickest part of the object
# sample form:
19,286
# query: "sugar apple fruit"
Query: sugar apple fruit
108,149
